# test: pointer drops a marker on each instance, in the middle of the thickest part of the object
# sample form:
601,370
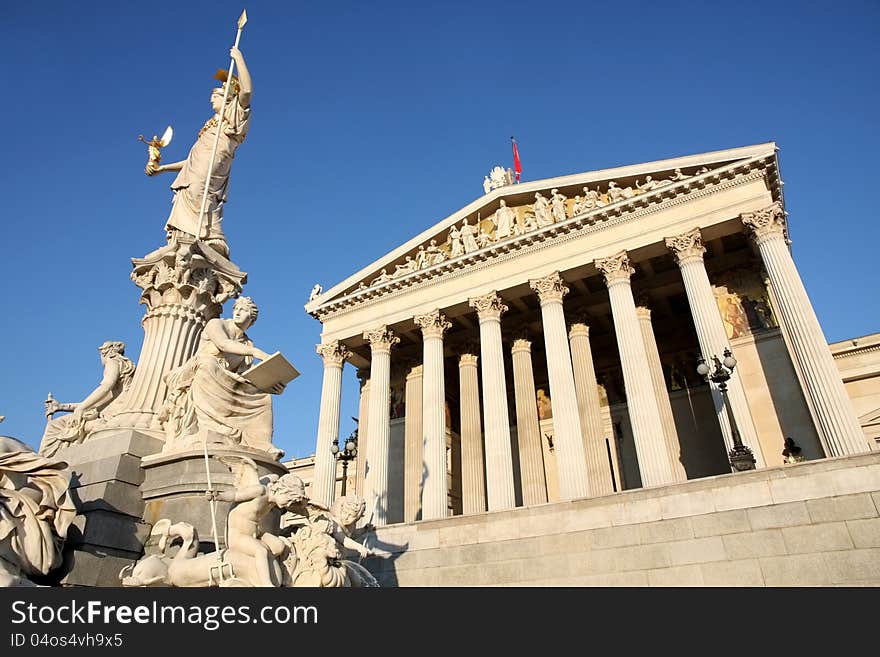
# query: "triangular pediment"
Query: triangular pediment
513,212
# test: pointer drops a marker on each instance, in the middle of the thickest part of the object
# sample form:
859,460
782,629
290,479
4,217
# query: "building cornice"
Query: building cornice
623,211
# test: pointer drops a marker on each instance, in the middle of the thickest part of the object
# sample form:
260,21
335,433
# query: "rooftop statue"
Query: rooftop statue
230,123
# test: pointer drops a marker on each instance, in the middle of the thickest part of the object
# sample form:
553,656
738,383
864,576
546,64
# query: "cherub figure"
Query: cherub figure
341,521
254,498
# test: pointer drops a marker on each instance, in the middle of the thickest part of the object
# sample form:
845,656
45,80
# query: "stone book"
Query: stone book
275,369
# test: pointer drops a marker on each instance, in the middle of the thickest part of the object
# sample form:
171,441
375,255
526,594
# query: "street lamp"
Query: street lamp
348,453
741,457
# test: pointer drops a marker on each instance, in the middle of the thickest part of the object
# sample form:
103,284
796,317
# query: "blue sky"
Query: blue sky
372,121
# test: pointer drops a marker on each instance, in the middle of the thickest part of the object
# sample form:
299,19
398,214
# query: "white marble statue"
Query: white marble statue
316,292
678,175
557,203
253,555
434,254
505,218
487,185
499,177
542,210
91,412
320,544
381,278
456,247
484,239
468,235
406,267
208,399
650,184
421,257
615,193
35,513
193,172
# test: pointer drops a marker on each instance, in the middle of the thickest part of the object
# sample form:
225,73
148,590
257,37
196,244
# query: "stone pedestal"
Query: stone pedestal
174,487
109,532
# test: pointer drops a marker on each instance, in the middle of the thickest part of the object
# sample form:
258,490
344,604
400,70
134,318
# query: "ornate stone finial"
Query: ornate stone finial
433,324
468,359
488,306
766,223
616,268
381,339
686,247
334,353
550,288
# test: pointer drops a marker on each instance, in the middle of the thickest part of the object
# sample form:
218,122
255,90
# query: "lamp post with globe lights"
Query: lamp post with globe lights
346,454
741,456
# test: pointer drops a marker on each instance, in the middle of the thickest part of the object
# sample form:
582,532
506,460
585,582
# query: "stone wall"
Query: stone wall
813,523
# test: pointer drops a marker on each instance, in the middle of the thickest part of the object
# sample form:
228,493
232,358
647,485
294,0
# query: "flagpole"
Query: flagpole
241,23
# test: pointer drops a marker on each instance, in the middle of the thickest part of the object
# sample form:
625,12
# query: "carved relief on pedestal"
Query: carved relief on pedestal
616,268
766,223
488,306
188,274
550,288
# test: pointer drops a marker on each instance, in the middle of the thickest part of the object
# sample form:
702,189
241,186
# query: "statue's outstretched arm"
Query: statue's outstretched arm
104,390
244,79
173,166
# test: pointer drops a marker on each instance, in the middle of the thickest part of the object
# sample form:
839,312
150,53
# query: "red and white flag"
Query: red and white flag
517,167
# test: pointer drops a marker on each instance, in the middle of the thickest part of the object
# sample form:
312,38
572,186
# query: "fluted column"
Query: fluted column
688,250
837,424
499,456
572,464
412,454
435,493
376,483
661,393
641,402
599,474
324,480
363,440
184,286
528,432
473,489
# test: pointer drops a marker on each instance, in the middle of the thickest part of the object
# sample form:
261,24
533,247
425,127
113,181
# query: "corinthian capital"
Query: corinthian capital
686,247
433,324
550,288
381,339
488,306
334,353
615,269
766,223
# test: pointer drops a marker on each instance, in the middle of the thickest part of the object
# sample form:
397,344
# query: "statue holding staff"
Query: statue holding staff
203,177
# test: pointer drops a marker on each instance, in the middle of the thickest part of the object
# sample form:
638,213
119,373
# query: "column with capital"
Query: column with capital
528,433
688,250
412,450
324,481
499,456
599,474
363,376
836,421
659,382
435,493
567,436
381,341
473,488
641,402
